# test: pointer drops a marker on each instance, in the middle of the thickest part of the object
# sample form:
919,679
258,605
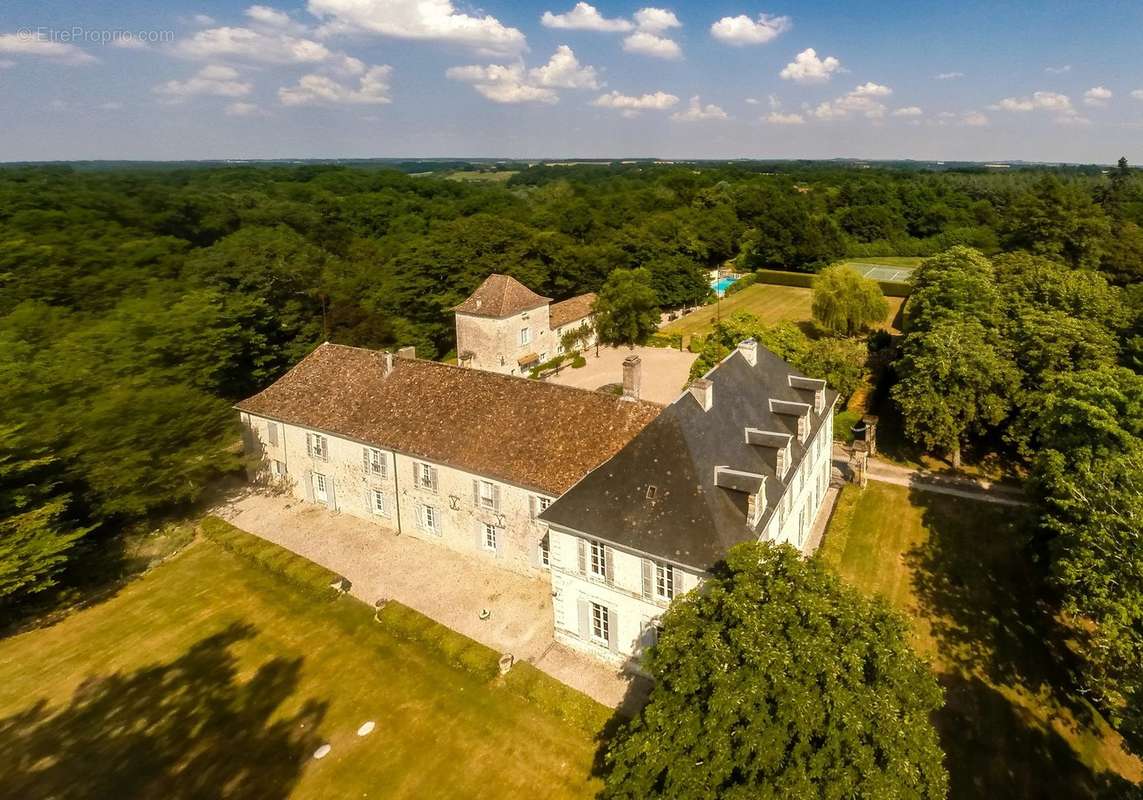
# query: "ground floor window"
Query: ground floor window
277,468
488,539
378,501
600,624
430,520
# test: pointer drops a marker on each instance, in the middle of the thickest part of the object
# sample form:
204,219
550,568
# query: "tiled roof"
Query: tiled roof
501,296
537,435
688,518
571,310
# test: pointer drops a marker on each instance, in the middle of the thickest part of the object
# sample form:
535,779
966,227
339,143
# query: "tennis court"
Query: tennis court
884,272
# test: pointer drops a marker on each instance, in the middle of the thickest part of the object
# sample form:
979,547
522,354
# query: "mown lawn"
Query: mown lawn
771,304
209,677
956,567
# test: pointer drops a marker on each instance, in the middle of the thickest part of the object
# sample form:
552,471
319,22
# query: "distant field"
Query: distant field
475,176
771,304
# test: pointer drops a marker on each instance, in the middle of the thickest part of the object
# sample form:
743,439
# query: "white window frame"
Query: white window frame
319,447
488,536
320,494
541,505
277,468
377,503
597,557
429,519
525,336
599,623
425,475
487,500
665,579
378,463
545,552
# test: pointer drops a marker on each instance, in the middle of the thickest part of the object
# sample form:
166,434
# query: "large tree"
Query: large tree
626,310
777,681
845,302
954,381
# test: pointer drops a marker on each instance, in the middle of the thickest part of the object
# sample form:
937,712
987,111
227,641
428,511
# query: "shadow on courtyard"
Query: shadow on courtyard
189,728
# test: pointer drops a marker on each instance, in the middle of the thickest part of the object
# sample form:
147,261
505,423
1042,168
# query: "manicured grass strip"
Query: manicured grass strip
308,577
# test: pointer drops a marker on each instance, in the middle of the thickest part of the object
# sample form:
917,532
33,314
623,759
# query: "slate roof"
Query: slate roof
691,521
501,296
537,435
570,310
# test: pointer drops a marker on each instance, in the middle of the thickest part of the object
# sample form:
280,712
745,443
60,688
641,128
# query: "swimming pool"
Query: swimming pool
721,284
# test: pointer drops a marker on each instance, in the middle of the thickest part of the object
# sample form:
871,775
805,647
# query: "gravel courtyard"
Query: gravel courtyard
440,583
665,371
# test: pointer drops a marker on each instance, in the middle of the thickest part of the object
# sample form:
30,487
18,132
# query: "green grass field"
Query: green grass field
957,569
771,304
499,176
209,677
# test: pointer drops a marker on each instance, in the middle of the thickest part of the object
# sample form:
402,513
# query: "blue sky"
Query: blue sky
1048,81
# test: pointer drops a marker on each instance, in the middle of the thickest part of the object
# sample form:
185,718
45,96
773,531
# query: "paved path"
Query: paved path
448,586
926,480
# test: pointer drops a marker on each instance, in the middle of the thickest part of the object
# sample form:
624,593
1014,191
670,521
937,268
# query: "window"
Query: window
486,494
545,551
525,336
488,537
375,462
277,468
321,488
426,476
429,520
540,505
272,433
664,582
600,624
599,559
317,447
377,504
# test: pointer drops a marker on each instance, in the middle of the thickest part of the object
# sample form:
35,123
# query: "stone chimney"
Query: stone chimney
756,506
749,350
703,390
409,352
632,375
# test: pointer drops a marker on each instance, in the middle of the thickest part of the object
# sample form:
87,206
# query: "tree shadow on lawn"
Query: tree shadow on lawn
184,729
1002,657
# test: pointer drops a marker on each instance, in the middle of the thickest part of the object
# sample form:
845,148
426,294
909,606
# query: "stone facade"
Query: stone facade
402,493
497,345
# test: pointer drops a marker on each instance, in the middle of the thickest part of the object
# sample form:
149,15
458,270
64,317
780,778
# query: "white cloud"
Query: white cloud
270,47
974,119
585,17
808,68
13,44
271,17
742,30
202,20
752,101
656,20
432,20
656,101
241,109
697,112
1072,119
503,84
948,76
863,99
908,111
1137,94
563,71
513,84
1097,96
1039,101
649,44
778,118
1058,70
316,89
213,80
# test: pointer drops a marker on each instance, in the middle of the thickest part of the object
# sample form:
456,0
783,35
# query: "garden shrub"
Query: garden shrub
455,648
843,422
578,361
554,697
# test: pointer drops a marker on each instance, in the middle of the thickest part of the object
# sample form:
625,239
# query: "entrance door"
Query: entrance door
321,491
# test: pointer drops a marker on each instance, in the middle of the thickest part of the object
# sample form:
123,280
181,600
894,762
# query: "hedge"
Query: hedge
311,579
555,698
671,340
843,422
455,648
806,281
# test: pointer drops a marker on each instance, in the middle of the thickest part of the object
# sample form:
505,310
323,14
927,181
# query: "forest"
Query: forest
138,305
